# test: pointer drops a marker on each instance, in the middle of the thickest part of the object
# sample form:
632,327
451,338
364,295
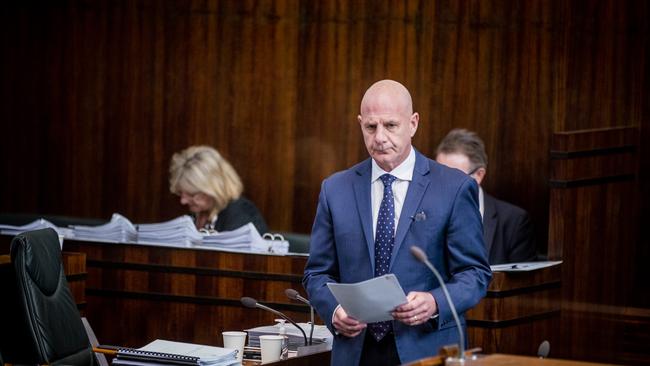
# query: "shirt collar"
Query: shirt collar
481,201
404,171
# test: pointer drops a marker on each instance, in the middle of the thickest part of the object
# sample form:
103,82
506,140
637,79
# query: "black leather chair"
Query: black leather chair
45,326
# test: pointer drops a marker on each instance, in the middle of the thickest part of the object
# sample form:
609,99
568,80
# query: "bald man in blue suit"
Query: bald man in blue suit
433,207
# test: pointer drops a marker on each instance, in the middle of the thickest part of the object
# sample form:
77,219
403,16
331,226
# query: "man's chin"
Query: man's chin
381,155
383,160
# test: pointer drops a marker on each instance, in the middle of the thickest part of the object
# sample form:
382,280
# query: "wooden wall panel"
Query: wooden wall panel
136,293
96,95
591,232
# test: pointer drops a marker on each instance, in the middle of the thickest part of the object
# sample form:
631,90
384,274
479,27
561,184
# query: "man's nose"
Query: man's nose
380,134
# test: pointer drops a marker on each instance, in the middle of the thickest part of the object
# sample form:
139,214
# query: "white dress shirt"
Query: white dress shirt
404,175
481,201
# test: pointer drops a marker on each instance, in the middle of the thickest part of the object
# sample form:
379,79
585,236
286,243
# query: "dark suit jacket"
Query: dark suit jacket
440,215
507,231
239,213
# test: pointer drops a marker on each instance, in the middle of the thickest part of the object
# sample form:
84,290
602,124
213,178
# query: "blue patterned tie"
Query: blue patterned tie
384,239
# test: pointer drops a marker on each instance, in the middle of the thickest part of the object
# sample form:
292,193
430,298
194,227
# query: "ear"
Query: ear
413,123
479,175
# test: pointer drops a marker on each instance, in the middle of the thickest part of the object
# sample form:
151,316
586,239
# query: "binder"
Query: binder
164,352
157,357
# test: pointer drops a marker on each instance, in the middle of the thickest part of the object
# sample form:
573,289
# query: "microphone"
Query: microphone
294,295
422,257
544,349
249,302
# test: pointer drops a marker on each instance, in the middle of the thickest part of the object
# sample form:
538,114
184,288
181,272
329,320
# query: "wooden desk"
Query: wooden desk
314,359
137,293
505,360
521,310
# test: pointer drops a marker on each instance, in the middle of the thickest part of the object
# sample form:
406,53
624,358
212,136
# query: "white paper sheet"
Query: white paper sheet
522,266
370,301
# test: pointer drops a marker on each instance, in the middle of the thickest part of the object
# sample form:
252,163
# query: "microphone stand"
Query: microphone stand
294,295
249,302
422,257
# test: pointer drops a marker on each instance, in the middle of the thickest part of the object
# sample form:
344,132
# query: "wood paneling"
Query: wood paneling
74,266
520,311
96,95
591,230
136,293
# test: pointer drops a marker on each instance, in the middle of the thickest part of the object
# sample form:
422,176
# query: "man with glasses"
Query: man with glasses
507,229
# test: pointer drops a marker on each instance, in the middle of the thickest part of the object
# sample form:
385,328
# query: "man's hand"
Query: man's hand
421,306
346,325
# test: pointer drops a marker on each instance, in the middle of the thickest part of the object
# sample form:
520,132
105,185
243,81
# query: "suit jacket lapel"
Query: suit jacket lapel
489,221
364,207
417,188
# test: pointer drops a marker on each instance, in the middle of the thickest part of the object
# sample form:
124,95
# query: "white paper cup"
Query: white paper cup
271,347
235,340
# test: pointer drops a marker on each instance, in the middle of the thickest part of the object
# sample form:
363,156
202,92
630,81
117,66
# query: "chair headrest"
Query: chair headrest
40,254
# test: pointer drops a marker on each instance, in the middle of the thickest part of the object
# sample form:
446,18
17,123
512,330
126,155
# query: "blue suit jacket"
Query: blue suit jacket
450,232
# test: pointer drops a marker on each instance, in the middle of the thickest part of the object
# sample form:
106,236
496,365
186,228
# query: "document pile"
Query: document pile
296,339
180,230
245,238
119,229
162,352
34,225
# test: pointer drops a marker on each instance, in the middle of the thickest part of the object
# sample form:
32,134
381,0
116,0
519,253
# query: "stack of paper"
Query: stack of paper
34,225
296,339
119,229
162,352
180,230
244,238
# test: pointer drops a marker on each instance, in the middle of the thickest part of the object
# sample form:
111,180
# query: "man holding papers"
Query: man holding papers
367,219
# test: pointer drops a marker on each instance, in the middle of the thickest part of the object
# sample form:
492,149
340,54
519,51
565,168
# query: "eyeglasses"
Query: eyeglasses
474,170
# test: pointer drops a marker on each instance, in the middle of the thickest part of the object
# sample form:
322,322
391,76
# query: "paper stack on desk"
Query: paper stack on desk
162,352
34,225
244,238
119,229
180,230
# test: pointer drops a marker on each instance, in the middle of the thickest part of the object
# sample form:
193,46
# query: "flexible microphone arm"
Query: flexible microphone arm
422,257
249,302
294,295
544,348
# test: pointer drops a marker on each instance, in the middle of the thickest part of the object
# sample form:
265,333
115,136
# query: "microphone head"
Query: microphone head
543,349
418,253
291,293
249,302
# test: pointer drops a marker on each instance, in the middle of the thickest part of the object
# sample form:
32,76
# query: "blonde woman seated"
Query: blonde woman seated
212,190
